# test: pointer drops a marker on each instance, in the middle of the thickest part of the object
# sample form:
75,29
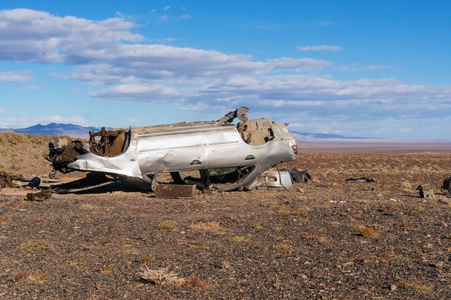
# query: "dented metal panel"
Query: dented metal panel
248,149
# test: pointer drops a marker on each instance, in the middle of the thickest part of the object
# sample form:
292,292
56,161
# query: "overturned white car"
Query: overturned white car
227,156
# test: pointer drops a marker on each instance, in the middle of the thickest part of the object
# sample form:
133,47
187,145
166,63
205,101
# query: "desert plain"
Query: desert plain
323,239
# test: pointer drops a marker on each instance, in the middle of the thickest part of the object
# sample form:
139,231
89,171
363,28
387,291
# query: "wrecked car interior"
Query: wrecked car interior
223,156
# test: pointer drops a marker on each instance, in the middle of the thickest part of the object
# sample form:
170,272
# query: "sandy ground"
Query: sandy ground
324,239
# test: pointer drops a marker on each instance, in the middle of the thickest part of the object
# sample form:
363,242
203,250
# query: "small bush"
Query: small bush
300,213
78,262
195,282
29,246
257,226
283,247
238,239
4,219
161,277
21,276
415,287
168,225
198,245
365,232
106,269
146,259
37,277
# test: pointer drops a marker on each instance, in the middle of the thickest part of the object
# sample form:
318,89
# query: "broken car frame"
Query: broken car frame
227,156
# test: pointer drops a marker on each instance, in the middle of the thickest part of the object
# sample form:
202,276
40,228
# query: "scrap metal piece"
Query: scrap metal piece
240,113
299,176
446,187
276,179
62,154
361,179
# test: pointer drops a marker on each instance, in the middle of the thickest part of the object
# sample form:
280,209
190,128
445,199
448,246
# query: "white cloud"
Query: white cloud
15,76
34,88
4,110
163,18
118,65
357,67
147,93
299,65
320,48
33,36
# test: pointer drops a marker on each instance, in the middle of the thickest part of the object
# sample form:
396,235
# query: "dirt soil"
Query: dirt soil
324,239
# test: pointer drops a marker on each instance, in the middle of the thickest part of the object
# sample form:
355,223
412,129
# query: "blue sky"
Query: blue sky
356,68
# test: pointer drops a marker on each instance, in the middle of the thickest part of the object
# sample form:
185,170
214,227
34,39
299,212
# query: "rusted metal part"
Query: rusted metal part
62,155
175,191
240,113
111,142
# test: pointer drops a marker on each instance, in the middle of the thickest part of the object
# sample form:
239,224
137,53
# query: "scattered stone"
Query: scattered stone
438,265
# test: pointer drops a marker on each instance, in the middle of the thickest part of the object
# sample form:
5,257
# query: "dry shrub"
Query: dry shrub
146,259
164,277
416,287
257,226
300,213
161,277
365,232
78,262
4,219
314,237
22,276
195,282
238,239
283,247
388,256
107,269
29,246
168,225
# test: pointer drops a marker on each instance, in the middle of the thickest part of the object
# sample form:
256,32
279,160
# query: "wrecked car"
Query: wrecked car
225,156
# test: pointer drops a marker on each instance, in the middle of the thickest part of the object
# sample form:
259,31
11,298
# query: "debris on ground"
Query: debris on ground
361,179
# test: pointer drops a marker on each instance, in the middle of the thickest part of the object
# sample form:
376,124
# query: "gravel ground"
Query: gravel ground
325,239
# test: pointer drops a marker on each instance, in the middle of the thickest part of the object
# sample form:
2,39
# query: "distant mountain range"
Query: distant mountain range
77,131
309,135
